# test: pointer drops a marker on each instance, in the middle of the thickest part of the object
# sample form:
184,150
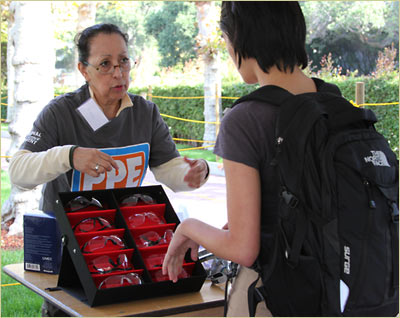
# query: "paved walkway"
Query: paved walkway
207,203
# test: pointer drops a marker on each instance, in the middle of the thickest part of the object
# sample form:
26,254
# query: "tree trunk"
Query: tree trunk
86,18
207,23
33,62
10,67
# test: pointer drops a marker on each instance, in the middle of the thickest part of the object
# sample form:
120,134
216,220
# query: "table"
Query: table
209,301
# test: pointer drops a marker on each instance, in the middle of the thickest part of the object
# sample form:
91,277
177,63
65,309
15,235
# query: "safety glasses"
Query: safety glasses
104,264
120,280
92,224
155,260
82,202
145,218
158,276
136,199
152,238
103,243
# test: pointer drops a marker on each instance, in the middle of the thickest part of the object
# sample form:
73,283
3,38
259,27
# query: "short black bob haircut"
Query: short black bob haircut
82,39
272,32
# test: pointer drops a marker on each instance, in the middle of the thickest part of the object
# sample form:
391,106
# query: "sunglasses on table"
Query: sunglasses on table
104,264
152,238
82,202
121,280
103,243
92,224
136,199
145,218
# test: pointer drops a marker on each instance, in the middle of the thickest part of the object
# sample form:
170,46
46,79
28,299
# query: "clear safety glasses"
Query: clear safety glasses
103,243
121,280
92,224
104,264
81,202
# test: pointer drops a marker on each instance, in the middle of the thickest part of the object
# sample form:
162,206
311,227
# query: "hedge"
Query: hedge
377,90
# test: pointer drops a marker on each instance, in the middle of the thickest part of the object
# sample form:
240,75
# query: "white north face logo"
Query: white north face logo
378,158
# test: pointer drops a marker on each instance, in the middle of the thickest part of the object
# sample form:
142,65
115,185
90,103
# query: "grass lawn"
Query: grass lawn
197,153
17,301
5,186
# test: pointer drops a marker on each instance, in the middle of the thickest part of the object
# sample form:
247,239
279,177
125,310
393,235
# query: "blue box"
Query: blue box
42,243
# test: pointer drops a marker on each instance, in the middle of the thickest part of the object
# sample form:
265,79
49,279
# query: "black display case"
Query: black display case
81,278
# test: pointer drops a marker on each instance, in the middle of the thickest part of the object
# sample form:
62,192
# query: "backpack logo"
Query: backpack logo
378,158
346,269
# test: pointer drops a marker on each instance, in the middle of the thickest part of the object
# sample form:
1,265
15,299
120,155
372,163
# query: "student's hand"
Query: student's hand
86,160
197,173
175,256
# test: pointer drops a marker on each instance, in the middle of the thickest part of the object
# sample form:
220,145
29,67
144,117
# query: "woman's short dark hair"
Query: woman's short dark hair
82,39
272,32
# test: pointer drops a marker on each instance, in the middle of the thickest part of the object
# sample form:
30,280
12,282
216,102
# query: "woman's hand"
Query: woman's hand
92,161
197,173
175,256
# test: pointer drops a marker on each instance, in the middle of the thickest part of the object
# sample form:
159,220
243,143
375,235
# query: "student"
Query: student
266,41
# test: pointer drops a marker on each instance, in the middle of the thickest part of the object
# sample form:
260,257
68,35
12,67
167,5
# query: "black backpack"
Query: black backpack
335,249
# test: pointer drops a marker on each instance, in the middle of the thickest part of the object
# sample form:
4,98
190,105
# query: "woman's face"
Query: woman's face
106,49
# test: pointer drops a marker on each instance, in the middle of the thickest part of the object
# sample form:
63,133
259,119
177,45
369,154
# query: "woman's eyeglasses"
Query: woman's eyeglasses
136,199
106,67
81,202
121,280
145,218
152,238
92,224
104,264
103,243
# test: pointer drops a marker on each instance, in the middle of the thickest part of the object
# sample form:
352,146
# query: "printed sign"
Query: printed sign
132,162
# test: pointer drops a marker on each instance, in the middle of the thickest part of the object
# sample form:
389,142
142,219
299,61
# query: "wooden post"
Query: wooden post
360,93
216,110
150,93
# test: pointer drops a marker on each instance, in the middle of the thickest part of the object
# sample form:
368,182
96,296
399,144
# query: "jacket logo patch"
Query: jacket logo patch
132,165
378,158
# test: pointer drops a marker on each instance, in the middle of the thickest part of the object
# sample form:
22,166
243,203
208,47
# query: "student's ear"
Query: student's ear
83,69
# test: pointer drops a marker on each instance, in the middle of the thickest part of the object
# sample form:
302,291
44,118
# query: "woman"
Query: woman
63,148
100,136
266,41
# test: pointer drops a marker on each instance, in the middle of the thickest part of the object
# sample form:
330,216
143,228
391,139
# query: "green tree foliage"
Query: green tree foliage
130,16
353,32
174,28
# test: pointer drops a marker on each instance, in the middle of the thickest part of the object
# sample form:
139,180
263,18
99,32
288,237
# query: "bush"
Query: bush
377,90
4,102
382,89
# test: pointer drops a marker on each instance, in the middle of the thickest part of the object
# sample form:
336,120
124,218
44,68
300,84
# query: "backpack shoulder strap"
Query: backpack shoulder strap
268,94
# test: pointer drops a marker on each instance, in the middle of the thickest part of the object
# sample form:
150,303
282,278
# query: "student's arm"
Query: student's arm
240,242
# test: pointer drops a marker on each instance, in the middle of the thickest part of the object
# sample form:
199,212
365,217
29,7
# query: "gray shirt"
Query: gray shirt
247,135
137,138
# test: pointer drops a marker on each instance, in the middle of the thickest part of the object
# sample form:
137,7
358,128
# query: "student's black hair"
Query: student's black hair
272,32
82,39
